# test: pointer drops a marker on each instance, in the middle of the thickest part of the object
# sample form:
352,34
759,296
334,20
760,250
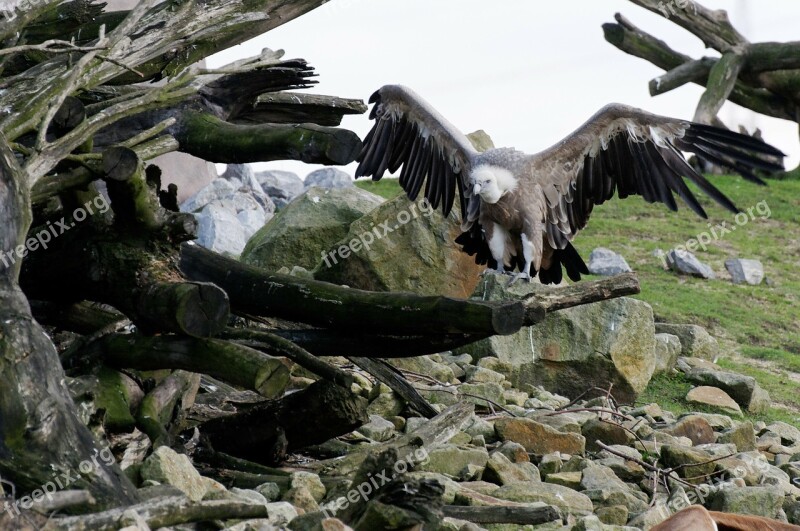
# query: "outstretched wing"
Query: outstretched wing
408,132
633,152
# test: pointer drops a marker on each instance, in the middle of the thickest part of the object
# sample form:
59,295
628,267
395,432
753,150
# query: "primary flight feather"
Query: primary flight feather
522,211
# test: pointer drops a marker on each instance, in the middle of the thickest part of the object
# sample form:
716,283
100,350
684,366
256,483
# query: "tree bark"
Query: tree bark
41,437
255,292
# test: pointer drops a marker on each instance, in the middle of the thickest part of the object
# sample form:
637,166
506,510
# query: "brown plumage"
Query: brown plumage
522,211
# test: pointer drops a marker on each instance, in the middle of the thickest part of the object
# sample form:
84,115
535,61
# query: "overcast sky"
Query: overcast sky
527,72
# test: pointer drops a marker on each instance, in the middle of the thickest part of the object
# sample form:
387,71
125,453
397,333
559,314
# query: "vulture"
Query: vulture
520,211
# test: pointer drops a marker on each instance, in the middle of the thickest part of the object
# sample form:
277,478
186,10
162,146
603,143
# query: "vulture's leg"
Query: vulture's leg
527,254
497,236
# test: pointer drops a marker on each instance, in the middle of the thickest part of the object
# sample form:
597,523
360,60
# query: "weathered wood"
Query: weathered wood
40,433
721,81
329,342
552,299
82,317
71,113
219,141
156,415
265,432
120,163
632,40
392,378
296,107
434,433
689,72
160,512
520,515
232,363
275,345
255,292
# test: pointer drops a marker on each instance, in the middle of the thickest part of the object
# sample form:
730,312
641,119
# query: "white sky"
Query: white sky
527,72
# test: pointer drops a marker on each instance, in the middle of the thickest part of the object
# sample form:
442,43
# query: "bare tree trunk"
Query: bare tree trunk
43,444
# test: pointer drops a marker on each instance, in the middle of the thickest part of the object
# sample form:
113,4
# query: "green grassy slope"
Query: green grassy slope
759,326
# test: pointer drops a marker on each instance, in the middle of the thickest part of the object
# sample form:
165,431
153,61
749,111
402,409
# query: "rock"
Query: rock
217,189
481,140
281,513
310,482
745,271
613,515
570,480
454,461
714,398
402,246
668,348
743,389
385,405
604,488
300,233
651,517
695,427
251,221
788,434
475,392
168,467
695,341
301,498
682,261
270,491
606,262
220,231
576,348
378,429
674,456
500,470
743,436
538,438
566,499
281,186
756,501
425,365
597,430
329,178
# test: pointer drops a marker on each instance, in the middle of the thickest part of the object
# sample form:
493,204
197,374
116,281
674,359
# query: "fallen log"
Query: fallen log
255,292
157,411
390,376
520,515
232,363
266,431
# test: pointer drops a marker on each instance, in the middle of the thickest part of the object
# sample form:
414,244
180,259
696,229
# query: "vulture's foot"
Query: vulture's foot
492,271
516,276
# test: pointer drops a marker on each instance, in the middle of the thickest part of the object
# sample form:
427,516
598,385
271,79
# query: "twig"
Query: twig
149,133
48,47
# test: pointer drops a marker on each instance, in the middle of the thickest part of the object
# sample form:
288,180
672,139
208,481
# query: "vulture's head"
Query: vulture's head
491,182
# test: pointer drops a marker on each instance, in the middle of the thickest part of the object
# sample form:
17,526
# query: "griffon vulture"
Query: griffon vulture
522,211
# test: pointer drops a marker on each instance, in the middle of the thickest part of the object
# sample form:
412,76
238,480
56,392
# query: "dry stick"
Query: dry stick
48,47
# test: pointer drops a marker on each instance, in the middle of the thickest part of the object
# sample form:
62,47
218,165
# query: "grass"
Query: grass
758,326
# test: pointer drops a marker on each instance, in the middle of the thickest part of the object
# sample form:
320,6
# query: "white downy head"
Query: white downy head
491,182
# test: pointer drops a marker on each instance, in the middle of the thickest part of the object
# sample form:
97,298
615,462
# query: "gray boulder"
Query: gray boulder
668,348
329,178
577,348
606,262
216,190
745,271
682,261
402,246
307,227
695,341
219,230
743,389
281,186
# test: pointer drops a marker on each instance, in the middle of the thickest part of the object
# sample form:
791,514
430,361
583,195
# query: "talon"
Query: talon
517,276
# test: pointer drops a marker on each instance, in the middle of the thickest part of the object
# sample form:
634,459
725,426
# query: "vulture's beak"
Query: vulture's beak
476,189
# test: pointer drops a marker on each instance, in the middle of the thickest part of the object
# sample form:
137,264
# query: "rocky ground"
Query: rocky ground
556,431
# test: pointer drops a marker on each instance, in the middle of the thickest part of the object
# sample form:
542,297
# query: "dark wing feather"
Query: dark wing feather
408,132
638,153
